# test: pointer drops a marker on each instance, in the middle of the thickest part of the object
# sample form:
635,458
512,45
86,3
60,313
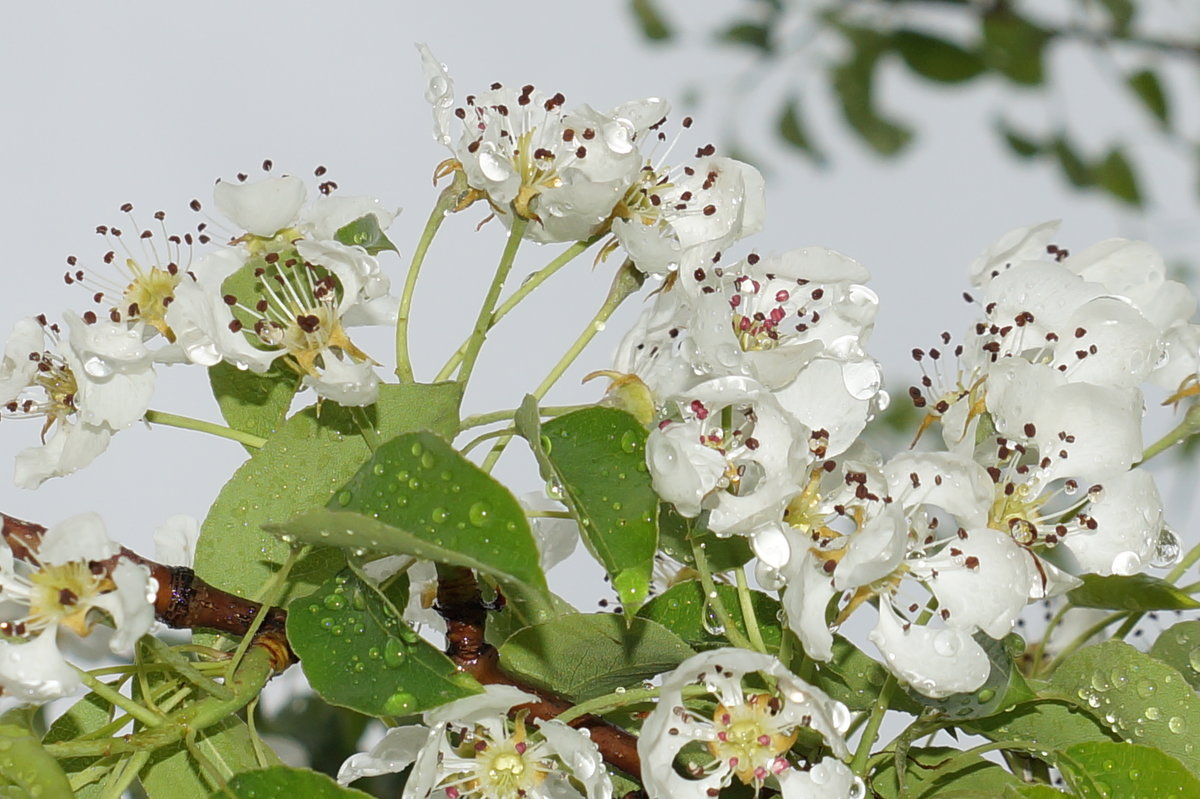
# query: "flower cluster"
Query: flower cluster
279,293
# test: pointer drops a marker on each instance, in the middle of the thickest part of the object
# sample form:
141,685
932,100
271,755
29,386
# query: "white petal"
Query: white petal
579,754
344,381
496,700
323,218
1128,517
828,779
682,469
936,663
805,601
18,369
955,484
263,207
131,605
72,447
1019,244
35,671
394,753
80,537
175,540
988,595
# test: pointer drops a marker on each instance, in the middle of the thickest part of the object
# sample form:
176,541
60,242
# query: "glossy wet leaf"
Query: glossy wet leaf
304,464
588,655
1140,699
684,610
251,402
926,776
86,715
24,765
676,534
419,496
937,59
175,773
283,782
1004,687
358,652
598,457
1054,724
365,232
1134,592
1179,646
1103,769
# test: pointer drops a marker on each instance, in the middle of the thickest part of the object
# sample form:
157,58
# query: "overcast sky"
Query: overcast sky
150,102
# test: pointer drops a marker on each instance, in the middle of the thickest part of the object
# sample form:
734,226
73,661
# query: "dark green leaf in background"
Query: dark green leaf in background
358,652
793,130
651,20
1148,88
937,59
176,773
1074,168
750,34
853,81
683,609
1014,46
1022,145
926,778
1116,176
282,782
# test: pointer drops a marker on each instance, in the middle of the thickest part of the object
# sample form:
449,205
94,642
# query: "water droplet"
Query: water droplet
335,601
986,695
629,441
344,497
428,460
479,514
394,653
378,469
946,643
439,515
1176,724
1146,689
1167,550
327,623
1153,713
398,703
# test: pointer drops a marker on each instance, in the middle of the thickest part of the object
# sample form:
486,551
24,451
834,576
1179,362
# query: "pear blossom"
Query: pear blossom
565,171
59,588
281,292
700,209
472,749
87,385
748,735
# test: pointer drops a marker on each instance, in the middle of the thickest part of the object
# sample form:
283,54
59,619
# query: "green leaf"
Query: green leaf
282,782
598,456
926,777
793,130
250,402
1078,172
937,59
1003,688
1103,769
310,457
1139,698
1051,723
1146,85
1032,792
417,495
357,652
1134,592
854,83
682,609
650,20
1116,176
855,679
88,714
750,34
175,773
676,534
1022,146
1179,646
24,764
1014,46
366,233
587,655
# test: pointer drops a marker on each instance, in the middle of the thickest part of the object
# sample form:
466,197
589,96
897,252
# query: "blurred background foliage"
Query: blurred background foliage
1146,48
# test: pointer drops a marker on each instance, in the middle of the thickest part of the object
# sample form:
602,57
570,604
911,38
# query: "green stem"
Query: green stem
964,758
748,613
212,428
186,669
124,776
621,698
1082,639
370,435
871,732
480,419
488,436
1183,565
523,291
1180,433
713,599
246,683
483,321
446,202
267,598
118,699
627,281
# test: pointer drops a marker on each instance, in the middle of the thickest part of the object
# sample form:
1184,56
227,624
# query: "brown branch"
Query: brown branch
183,601
462,607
